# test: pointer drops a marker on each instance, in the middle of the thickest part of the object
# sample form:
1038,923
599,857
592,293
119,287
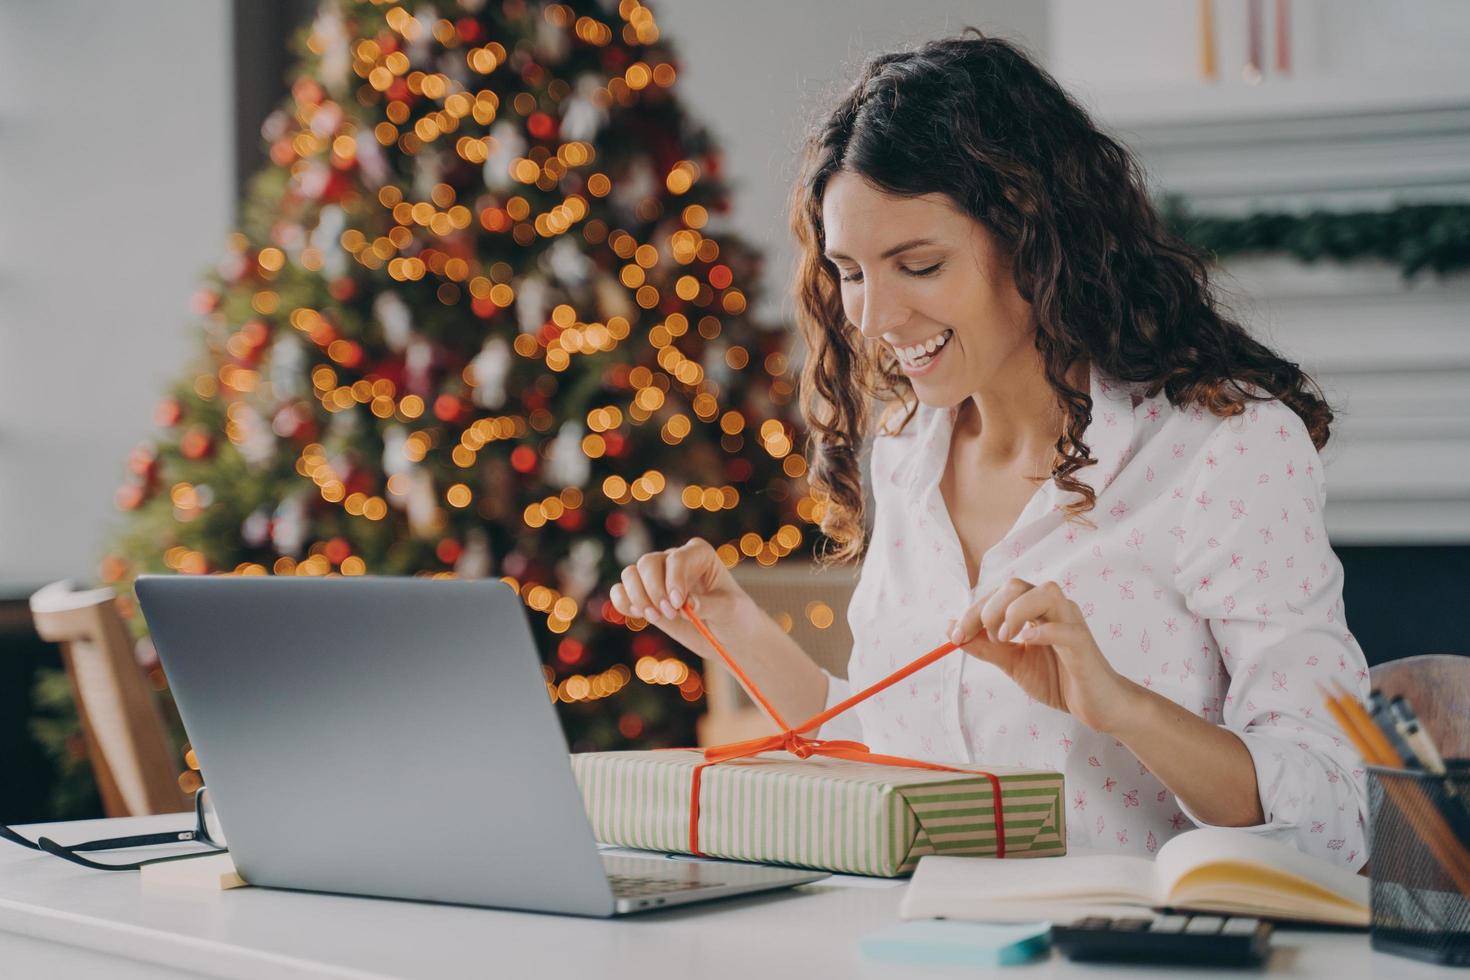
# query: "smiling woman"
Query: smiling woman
1097,485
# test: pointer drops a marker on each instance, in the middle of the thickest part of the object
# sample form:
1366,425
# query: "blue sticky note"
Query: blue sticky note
957,943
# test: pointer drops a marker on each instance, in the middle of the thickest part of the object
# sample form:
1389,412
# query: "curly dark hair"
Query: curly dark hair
977,120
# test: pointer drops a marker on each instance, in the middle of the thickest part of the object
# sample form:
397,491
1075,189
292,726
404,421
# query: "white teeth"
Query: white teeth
920,352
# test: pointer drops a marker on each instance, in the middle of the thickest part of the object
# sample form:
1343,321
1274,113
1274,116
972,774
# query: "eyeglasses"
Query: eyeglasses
206,831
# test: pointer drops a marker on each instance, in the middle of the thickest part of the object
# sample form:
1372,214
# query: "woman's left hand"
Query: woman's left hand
1039,638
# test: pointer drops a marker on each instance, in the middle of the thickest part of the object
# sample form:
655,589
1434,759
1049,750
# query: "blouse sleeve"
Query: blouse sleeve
845,725
1255,566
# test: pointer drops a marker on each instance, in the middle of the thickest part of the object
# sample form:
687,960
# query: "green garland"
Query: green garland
1414,237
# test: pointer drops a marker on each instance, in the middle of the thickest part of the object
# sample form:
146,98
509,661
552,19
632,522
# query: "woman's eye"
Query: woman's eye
855,277
926,272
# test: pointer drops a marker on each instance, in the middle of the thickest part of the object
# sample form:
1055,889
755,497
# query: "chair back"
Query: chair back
810,603
135,767
1438,687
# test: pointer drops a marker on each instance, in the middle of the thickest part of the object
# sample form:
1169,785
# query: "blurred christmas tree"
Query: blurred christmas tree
476,323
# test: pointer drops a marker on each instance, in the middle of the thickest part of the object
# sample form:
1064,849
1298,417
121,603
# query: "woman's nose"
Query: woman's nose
881,313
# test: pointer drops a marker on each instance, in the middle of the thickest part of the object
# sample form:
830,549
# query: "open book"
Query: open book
1207,870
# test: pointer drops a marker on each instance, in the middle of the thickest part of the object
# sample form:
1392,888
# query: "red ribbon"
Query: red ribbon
792,740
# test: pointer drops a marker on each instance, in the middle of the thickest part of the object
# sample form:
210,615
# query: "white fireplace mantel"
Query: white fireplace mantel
1393,357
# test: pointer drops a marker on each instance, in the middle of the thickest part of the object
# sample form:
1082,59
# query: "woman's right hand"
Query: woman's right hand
659,583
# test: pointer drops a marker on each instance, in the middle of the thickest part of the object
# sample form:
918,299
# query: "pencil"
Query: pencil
1405,791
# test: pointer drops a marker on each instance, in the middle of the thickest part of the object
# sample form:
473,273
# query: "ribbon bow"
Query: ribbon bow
795,741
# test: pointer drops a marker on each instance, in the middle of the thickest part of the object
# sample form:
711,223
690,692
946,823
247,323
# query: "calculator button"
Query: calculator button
1240,927
1204,924
1170,923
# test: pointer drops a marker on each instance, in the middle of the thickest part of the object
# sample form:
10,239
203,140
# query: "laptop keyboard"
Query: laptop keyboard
636,886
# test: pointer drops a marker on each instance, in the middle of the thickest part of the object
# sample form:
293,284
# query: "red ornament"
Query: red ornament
468,29
630,725
342,289
168,413
541,126
570,651
129,496
645,645
617,524
337,550
720,276
142,461
195,444
614,443
447,408
571,520
738,470
523,459
448,551
483,307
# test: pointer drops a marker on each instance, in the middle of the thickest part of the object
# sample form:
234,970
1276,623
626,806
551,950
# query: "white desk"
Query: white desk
61,921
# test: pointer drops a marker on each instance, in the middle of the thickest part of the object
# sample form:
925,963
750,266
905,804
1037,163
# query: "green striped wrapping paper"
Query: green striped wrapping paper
832,814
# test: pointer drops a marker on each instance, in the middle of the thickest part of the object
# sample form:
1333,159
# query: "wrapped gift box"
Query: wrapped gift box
833,814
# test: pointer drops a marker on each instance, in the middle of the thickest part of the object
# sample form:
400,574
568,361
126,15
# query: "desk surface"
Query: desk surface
59,920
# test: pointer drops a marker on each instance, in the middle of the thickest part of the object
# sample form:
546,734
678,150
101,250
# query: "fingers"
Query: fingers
652,570
1023,618
657,586
988,612
684,570
635,595
1015,612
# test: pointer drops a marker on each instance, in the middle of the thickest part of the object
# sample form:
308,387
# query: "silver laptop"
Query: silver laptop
393,737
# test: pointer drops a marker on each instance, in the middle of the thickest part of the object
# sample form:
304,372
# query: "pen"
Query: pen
1413,734
1378,709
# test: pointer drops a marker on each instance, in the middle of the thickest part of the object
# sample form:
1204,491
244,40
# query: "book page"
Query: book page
966,887
1221,868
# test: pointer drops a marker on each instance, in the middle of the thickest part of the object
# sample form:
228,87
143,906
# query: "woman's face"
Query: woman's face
929,281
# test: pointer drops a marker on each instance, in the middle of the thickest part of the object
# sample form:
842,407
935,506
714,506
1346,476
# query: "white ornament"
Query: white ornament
395,460
288,368
568,263
336,62
255,530
552,42
579,572
490,368
508,144
325,120
424,518
567,465
582,118
670,504
634,544
396,318
417,365
475,561
288,531
256,441
371,160
639,183
533,300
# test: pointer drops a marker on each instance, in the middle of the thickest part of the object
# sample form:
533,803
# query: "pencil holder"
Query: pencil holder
1420,863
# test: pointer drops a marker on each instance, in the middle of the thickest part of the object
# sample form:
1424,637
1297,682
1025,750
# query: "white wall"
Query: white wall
115,191
761,72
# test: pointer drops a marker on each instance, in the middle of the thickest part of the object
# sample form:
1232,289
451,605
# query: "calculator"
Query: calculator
1217,940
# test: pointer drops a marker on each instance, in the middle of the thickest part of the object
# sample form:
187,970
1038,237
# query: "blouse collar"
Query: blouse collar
1108,436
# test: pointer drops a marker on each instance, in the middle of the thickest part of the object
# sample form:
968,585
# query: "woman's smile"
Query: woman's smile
918,359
